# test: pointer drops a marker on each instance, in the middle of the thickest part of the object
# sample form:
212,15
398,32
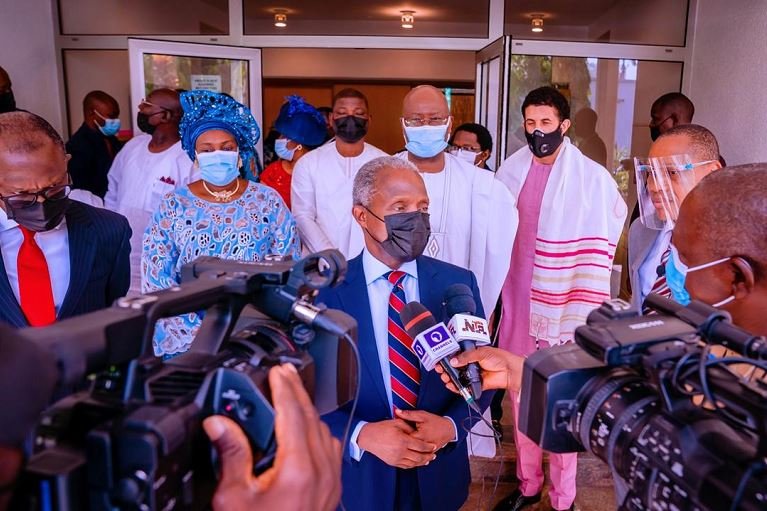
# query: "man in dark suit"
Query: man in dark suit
94,145
407,448
60,258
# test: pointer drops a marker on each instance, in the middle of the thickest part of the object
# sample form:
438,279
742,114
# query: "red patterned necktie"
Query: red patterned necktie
35,292
403,363
660,286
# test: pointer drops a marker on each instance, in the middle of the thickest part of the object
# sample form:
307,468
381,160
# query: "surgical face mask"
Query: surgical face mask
7,102
142,121
281,148
426,141
41,216
219,168
407,234
110,127
544,144
351,128
465,155
676,274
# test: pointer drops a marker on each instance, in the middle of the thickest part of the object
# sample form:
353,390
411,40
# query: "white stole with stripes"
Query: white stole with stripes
581,219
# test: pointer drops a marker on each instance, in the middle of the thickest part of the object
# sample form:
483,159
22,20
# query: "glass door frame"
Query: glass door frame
137,48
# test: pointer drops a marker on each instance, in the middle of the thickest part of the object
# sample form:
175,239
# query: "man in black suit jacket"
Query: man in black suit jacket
60,258
94,145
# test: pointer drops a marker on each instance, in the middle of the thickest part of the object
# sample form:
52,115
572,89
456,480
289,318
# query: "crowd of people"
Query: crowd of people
89,221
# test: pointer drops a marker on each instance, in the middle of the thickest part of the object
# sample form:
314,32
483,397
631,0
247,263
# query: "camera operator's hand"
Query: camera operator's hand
500,369
307,468
391,442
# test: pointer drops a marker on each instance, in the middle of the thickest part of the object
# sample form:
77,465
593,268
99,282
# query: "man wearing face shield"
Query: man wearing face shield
150,166
321,188
677,161
408,436
570,218
473,216
60,258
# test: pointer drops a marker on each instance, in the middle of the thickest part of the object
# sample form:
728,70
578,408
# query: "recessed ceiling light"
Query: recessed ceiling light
408,19
537,23
281,20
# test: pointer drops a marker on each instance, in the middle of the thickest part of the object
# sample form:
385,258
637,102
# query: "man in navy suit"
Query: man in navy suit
60,258
407,448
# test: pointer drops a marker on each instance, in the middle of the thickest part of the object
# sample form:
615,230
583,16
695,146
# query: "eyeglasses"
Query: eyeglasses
149,103
454,147
28,199
417,122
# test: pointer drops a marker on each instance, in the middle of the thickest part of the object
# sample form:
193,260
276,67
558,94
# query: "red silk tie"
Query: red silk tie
660,286
35,292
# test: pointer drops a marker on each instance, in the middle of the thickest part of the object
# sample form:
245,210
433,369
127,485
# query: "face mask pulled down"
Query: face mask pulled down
41,216
406,234
544,144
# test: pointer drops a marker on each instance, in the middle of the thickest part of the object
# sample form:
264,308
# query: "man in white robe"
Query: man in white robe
148,167
321,189
473,216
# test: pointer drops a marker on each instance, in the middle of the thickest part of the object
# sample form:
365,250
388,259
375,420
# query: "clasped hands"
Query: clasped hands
410,440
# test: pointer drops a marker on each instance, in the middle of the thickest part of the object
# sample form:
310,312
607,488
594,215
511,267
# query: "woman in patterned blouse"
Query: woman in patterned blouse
221,215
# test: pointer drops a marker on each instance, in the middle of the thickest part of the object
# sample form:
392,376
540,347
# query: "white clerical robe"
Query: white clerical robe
473,223
321,198
138,180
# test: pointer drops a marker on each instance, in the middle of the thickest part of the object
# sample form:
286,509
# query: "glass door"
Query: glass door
491,92
232,70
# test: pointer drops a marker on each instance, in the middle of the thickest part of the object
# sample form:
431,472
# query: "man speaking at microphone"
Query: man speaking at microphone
407,448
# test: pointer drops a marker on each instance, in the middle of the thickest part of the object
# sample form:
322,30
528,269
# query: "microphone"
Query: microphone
433,343
469,330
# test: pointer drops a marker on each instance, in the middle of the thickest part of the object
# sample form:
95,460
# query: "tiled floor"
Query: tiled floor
594,483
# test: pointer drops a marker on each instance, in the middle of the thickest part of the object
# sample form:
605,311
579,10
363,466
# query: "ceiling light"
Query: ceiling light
537,23
281,20
408,19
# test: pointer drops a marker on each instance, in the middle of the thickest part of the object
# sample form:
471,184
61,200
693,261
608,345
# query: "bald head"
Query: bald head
165,98
425,100
23,132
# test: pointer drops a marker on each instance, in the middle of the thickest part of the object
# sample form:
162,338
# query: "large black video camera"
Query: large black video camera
678,428
134,438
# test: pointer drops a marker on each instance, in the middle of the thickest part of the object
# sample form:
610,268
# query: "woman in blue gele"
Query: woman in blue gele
222,214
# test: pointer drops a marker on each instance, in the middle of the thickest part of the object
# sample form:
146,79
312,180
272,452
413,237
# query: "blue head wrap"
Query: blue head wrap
301,122
205,111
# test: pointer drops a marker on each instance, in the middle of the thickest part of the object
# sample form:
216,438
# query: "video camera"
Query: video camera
134,438
678,429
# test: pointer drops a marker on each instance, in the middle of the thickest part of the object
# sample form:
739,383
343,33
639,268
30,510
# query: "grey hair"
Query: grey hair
365,180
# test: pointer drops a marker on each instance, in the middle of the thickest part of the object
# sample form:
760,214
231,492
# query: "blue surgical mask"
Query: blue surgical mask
676,274
426,141
110,127
281,148
219,168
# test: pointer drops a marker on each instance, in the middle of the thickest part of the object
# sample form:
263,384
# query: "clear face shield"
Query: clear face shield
662,185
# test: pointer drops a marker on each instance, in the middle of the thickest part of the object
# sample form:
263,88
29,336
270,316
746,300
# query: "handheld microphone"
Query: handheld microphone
469,330
433,343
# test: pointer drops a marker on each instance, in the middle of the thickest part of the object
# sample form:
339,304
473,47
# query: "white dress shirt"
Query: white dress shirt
648,270
55,247
321,198
138,180
379,291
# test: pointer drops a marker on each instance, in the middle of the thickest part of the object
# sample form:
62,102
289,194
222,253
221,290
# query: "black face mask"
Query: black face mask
142,121
42,216
407,234
351,128
7,102
654,133
544,144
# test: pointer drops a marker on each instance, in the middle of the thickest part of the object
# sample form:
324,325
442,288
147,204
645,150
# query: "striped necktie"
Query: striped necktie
403,363
660,286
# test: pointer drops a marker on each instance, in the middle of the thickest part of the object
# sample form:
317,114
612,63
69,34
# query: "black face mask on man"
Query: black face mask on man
407,234
7,102
142,121
351,128
544,144
41,216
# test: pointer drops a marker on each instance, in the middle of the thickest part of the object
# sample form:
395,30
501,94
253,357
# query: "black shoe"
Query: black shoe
516,501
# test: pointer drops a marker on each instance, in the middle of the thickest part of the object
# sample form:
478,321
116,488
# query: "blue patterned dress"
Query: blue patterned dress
186,227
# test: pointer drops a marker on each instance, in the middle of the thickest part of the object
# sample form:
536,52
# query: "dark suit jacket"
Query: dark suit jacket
91,159
370,483
99,268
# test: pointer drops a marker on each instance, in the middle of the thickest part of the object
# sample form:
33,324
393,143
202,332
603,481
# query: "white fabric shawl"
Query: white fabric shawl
581,218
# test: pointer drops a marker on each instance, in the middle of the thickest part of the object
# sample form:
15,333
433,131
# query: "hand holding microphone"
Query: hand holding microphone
500,369
469,330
